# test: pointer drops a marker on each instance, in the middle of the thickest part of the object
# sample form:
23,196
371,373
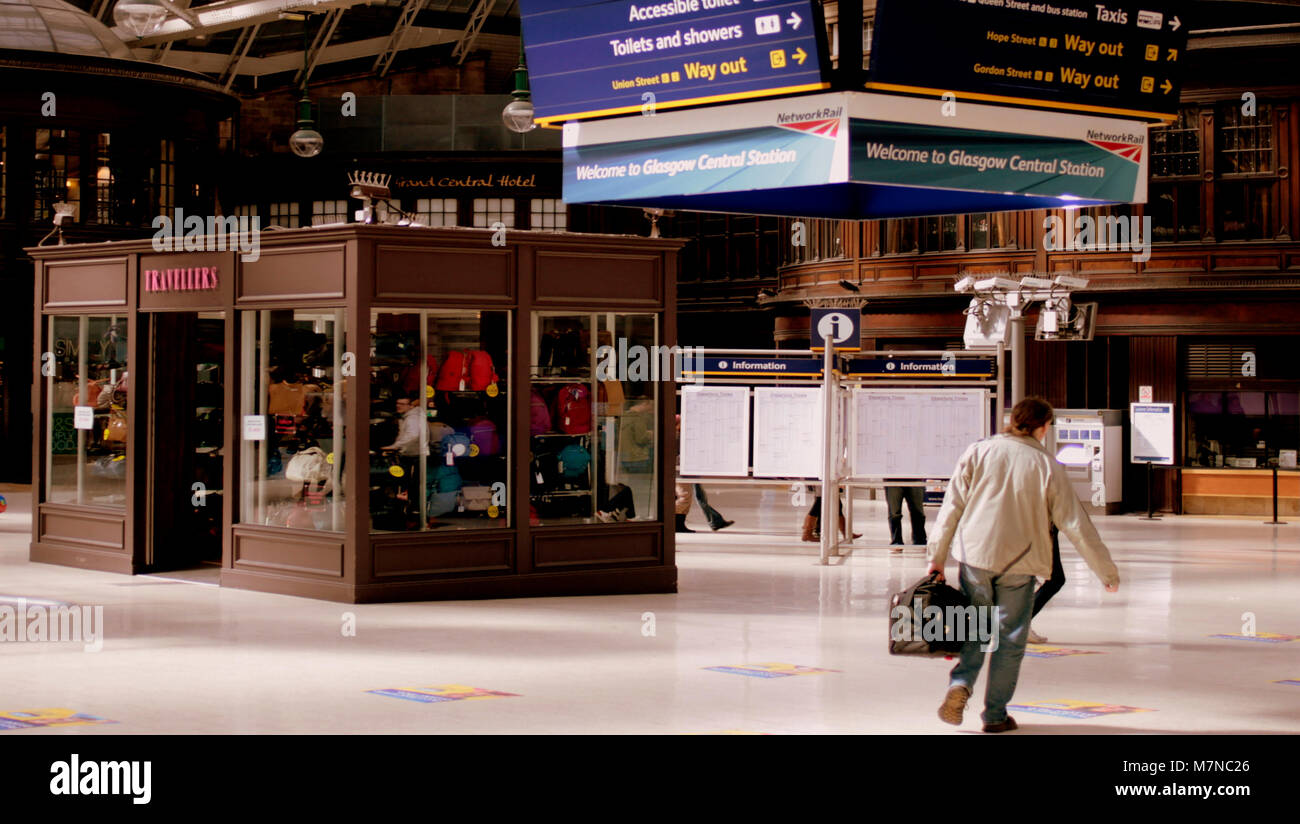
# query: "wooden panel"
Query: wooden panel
294,272
288,552
1239,484
602,546
485,274
99,282
563,276
1242,261
894,273
78,527
945,271
430,555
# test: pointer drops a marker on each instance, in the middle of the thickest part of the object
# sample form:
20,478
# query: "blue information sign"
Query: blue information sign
594,59
732,367
909,367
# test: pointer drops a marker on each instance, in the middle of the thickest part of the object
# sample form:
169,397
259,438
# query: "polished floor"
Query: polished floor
189,657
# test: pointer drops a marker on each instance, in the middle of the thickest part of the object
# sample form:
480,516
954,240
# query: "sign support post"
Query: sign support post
1151,442
837,322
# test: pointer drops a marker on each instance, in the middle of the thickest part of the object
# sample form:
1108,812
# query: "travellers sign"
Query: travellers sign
1109,58
594,58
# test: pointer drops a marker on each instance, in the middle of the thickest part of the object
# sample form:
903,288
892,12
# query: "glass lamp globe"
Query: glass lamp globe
518,116
306,142
140,17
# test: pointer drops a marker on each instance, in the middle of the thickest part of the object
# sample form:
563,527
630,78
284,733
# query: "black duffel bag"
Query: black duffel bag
907,619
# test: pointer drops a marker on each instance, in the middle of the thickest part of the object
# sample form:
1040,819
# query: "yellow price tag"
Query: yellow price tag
492,390
396,471
473,450
428,391
329,459
494,511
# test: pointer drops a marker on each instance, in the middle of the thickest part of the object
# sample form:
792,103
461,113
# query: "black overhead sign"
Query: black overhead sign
1121,59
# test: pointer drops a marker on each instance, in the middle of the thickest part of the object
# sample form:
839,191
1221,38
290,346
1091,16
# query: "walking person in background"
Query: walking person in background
1005,494
716,521
895,493
1050,587
812,523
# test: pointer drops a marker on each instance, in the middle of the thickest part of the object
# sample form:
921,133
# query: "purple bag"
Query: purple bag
539,415
483,434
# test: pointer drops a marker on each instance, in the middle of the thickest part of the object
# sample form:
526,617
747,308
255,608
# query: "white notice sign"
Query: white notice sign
915,433
787,433
254,427
1153,433
83,417
715,431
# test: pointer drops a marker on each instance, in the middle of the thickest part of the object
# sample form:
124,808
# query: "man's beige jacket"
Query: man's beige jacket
1005,494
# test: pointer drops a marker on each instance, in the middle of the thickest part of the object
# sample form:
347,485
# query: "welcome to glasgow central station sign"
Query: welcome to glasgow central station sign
632,83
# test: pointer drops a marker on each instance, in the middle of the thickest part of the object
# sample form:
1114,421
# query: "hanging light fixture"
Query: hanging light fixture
140,17
518,113
306,141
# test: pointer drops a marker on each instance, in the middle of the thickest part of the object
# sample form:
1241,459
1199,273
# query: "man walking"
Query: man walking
1005,494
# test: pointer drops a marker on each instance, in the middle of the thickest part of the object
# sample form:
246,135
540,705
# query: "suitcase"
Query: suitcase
906,624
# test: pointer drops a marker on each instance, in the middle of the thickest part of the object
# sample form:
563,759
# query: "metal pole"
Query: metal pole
1151,496
1001,389
1017,356
830,500
1275,521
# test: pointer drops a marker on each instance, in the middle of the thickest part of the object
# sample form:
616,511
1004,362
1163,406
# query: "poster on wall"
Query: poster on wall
787,433
1153,433
915,433
715,431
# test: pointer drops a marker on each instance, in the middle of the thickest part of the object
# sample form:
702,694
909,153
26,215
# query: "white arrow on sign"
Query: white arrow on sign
794,20
1175,23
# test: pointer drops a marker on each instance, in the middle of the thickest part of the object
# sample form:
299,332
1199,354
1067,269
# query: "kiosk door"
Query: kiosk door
187,452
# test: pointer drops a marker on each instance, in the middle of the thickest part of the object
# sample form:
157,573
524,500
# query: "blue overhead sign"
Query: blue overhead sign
594,59
908,367
843,327
736,367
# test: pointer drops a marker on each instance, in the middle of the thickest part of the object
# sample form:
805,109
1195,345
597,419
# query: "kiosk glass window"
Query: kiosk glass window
86,416
291,427
593,421
1241,429
439,420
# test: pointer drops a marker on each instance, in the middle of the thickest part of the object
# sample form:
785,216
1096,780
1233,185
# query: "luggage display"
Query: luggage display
483,434
907,619
574,460
572,414
539,414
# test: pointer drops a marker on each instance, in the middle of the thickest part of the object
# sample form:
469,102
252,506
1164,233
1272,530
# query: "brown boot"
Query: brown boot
809,523
856,535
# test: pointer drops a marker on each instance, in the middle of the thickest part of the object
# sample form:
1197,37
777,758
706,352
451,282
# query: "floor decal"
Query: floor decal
770,670
441,692
1074,709
728,732
1044,651
48,717
1260,637
1290,682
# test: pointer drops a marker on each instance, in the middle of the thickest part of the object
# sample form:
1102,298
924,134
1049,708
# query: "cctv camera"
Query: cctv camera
996,283
1071,282
1035,283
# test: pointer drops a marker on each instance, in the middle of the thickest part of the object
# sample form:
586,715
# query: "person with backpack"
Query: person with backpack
1005,494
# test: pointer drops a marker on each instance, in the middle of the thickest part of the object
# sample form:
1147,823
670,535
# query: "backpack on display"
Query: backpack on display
476,498
456,445
483,434
539,414
480,372
444,489
437,432
469,370
573,409
308,466
574,460
544,470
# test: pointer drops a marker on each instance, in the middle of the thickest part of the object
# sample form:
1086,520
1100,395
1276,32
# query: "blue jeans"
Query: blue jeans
1014,595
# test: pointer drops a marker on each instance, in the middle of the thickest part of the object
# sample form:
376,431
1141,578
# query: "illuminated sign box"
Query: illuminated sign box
617,57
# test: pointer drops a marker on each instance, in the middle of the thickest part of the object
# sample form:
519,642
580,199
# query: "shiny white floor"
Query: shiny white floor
183,658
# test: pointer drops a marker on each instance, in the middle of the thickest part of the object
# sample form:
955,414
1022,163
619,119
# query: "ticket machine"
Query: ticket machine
1090,444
